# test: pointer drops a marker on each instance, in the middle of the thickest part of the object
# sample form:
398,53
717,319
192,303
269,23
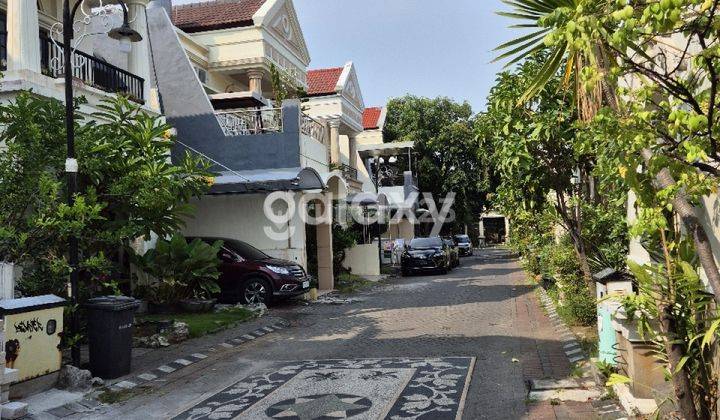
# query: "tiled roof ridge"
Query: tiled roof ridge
202,3
327,69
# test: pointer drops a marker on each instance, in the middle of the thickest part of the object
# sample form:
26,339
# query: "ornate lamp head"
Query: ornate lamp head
125,32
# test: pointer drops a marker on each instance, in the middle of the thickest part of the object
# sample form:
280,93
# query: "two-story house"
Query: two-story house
213,67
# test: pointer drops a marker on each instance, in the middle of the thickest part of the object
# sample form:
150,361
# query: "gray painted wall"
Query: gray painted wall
188,109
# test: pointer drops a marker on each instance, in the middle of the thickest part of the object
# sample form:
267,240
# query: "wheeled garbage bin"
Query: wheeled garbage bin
110,331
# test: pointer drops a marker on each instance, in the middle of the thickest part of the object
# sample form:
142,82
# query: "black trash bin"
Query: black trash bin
110,331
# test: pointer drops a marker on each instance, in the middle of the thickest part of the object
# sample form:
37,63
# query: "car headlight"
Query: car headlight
439,254
279,270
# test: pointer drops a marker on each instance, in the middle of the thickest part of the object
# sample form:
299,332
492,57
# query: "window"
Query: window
426,243
202,74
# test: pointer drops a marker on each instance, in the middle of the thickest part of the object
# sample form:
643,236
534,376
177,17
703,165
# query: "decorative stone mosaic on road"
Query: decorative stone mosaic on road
396,389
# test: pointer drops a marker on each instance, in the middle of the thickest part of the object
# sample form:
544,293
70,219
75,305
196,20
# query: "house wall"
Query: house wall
242,217
362,260
370,137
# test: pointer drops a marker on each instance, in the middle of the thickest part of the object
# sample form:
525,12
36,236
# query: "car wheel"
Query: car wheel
255,290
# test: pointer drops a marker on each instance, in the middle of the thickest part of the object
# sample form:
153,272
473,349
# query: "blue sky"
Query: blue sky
424,47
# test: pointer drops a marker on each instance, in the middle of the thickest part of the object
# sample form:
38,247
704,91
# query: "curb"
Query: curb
571,346
183,362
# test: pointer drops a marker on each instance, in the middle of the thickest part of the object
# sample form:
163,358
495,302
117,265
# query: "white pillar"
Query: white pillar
255,84
507,228
334,141
23,36
352,150
139,57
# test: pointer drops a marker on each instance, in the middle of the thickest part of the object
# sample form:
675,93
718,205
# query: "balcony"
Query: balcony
90,70
312,128
245,122
349,172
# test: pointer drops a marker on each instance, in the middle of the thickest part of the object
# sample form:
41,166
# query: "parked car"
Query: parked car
248,275
464,244
425,254
453,252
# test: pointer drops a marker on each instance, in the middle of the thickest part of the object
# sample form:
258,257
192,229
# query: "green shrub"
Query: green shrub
183,270
578,308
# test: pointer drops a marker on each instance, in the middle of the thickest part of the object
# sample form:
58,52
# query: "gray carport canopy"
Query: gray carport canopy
267,180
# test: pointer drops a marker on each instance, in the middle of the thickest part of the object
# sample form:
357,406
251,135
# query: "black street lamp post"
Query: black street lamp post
71,165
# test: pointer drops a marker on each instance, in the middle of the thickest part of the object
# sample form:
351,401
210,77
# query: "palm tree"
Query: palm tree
571,52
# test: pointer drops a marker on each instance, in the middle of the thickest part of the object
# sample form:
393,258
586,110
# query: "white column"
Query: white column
23,37
139,57
352,150
334,141
255,84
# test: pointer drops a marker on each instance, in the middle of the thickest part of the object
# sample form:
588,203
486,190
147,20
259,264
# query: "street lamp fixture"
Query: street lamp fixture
125,34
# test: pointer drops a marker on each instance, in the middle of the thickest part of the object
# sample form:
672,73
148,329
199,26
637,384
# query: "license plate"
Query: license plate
306,284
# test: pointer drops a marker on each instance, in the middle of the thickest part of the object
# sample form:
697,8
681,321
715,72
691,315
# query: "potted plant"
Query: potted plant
186,274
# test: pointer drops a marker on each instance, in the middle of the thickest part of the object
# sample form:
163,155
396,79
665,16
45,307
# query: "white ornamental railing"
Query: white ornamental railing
313,128
246,122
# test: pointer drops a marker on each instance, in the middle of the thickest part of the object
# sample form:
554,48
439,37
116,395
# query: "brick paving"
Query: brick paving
484,310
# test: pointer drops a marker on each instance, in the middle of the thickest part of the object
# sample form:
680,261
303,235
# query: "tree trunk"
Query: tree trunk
687,214
573,228
581,252
675,353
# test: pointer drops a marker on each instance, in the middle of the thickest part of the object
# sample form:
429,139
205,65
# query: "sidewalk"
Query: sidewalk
554,359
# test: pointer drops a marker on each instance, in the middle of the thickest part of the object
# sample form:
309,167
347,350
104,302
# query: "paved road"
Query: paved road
481,318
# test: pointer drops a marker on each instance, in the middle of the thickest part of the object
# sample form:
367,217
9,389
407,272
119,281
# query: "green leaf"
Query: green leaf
616,379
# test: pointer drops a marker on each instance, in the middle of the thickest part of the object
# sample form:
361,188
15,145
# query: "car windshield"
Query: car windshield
462,239
425,243
245,250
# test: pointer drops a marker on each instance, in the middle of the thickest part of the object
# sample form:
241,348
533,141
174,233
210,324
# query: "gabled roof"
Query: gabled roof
371,118
217,14
323,81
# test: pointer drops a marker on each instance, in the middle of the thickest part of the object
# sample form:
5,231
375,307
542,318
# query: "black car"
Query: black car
464,245
248,275
425,254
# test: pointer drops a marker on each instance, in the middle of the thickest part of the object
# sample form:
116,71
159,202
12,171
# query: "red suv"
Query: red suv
249,275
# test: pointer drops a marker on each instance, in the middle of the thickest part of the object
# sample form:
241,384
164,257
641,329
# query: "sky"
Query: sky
423,47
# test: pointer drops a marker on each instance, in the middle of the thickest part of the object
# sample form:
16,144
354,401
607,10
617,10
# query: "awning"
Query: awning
367,199
384,149
236,100
267,180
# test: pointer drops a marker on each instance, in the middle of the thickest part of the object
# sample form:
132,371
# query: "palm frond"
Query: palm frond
548,70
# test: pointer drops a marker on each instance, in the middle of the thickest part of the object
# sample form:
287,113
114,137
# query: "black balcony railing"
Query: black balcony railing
91,70
349,172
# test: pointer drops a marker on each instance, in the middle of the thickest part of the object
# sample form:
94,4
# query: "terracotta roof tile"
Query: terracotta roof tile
371,118
323,81
217,14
